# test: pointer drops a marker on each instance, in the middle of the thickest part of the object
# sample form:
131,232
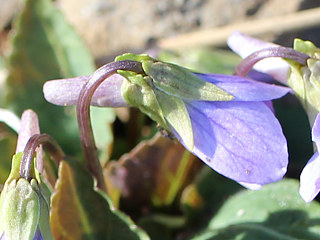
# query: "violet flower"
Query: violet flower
303,77
222,119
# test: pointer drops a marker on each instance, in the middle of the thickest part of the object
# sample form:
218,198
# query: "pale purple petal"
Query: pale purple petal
245,45
29,127
251,186
310,179
65,92
244,89
310,176
240,140
316,131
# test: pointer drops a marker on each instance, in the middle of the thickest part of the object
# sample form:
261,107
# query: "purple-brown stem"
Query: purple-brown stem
288,53
83,114
47,142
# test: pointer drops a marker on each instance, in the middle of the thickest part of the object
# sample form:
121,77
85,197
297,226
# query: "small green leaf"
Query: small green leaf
274,212
80,212
181,82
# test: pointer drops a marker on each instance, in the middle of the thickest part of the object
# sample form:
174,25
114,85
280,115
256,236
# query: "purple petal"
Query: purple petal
310,179
242,141
38,235
245,89
29,127
245,45
65,92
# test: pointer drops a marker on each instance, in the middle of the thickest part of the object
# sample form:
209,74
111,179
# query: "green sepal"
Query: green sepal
182,83
175,112
44,201
314,66
15,167
306,47
20,211
176,80
9,184
305,79
133,57
138,94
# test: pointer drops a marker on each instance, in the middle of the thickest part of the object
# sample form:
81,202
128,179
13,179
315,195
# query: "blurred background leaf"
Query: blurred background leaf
102,124
9,126
203,60
8,142
45,46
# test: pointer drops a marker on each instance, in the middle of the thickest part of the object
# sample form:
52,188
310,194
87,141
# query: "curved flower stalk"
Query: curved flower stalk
303,76
221,119
24,201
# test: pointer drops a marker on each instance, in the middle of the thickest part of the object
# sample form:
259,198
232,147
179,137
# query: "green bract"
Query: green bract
161,93
305,80
24,206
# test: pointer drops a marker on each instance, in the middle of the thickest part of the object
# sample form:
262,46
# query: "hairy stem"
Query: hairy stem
47,142
83,114
288,53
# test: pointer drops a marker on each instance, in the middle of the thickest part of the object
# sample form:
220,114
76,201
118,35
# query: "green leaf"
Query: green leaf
80,212
45,47
160,226
274,212
201,199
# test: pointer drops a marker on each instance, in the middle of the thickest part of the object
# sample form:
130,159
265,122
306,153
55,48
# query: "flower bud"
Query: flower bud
24,207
